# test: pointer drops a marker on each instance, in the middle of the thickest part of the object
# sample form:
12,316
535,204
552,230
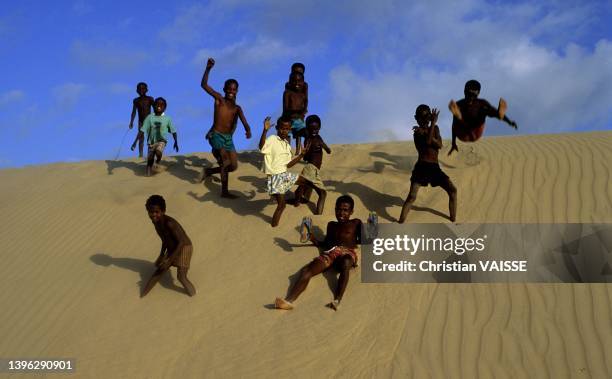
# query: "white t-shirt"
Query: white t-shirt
277,154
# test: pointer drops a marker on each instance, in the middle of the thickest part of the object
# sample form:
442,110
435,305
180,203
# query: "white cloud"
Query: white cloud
68,94
549,87
11,96
262,50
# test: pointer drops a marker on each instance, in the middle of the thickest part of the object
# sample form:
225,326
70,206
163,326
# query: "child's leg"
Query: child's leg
298,195
153,281
321,202
343,265
182,277
150,159
230,163
140,137
451,190
280,207
414,188
208,171
313,268
158,156
298,144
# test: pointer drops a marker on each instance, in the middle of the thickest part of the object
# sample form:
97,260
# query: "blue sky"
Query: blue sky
70,68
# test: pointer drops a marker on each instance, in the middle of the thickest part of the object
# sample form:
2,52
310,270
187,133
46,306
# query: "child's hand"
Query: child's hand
165,263
248,134
176,147
131,125
267,123
434,116
210,63
307,146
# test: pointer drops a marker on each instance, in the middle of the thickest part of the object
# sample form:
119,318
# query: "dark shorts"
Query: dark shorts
425,173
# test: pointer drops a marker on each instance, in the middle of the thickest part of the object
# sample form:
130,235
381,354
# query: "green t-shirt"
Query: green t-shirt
156,128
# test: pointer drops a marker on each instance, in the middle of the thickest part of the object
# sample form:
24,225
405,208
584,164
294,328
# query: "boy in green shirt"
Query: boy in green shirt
156,126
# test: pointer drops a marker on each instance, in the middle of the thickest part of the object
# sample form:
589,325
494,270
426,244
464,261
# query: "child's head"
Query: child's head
296,80
230,88
142,88
422,115
156,207
298,67
159,106
344,208
472,89
313,125
283,127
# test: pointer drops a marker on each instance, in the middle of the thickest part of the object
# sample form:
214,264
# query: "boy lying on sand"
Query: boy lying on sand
339,247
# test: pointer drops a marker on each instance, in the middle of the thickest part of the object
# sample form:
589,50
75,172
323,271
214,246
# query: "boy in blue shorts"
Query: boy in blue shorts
220,135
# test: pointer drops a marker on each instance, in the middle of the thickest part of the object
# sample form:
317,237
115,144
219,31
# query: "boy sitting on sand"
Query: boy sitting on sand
427,170
277,158
156,126
220,136
176,248
469,115
143,105
339,245
313,159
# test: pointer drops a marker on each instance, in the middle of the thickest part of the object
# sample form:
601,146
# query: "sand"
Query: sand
77,245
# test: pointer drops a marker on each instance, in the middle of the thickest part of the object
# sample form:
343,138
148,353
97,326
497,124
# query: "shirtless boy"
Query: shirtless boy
338,247
143,105
226,115
470,113
176,248
427,170
313,159
294,108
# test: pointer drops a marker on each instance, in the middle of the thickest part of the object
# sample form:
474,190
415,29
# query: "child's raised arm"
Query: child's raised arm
266,126
433,138
204,84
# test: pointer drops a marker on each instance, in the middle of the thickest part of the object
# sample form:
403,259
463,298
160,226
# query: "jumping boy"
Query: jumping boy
427,170
470,113
313,159
338,250
176,248
226,115
277,158
156,126
294,108
143,105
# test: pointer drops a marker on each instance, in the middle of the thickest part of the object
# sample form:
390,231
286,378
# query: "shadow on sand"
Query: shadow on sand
143,268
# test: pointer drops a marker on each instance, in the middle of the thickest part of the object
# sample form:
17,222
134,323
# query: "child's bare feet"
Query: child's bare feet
283,304
454,108
133,146
501,108
334,305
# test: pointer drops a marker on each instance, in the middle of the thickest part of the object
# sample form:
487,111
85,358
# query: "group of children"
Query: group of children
343,235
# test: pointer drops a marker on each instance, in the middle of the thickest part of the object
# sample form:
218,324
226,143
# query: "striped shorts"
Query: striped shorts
183,259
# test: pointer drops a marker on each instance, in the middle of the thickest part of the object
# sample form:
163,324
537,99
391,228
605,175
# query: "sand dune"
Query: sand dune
77,245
